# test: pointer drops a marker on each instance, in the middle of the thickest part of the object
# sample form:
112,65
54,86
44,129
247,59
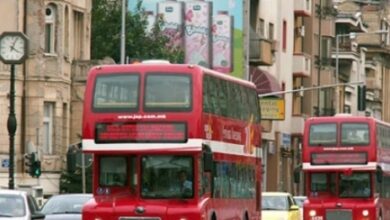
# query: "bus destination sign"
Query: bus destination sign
172,132
339,158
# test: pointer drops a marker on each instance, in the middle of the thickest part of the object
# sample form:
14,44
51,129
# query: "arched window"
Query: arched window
50,21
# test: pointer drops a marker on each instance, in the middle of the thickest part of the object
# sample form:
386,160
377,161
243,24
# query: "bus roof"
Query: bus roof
163,66
348,117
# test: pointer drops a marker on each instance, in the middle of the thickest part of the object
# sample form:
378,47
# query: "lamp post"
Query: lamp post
13,50
351,35
123,34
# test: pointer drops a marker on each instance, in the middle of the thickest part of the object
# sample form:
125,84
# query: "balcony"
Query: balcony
260,52
302,7
297,123
301,65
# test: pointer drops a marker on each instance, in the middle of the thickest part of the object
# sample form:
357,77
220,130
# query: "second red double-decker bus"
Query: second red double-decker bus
171,141
346,162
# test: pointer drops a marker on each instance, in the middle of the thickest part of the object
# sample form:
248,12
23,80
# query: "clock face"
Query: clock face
12,48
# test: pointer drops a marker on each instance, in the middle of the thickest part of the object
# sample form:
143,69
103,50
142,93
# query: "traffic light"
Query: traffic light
32,165
361,98
29,160
36,169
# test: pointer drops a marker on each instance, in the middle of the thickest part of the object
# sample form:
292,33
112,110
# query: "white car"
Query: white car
300,200
18,205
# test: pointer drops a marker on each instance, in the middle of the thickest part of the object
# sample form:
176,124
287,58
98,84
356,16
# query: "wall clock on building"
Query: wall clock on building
13,47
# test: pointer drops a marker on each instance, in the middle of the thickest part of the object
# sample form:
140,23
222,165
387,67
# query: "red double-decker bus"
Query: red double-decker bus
346,162
171,141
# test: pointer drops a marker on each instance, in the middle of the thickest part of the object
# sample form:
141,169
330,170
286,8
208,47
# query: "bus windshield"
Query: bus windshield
167,176
323,134
355,185
116,93
354,134
167,92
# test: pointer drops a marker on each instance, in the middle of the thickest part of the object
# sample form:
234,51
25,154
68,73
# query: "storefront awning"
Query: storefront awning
264,81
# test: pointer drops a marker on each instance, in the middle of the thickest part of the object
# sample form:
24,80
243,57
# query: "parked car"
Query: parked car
300,200
279,206
65,206
18,205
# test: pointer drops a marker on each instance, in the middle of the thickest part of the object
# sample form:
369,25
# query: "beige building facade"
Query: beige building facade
59,50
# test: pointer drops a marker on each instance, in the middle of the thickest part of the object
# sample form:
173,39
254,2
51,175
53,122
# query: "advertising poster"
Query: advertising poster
209,31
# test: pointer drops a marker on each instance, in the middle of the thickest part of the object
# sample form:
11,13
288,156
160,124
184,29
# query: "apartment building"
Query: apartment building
48,85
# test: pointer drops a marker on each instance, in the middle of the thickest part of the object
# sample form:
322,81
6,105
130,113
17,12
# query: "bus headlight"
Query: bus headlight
365,213
312,213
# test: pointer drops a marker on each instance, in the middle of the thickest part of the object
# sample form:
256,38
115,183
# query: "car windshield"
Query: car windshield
274,202
167,176
64,204
12,206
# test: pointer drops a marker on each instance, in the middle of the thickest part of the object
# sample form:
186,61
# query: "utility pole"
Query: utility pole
319,64
123,29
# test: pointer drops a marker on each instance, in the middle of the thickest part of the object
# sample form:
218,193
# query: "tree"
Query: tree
106,32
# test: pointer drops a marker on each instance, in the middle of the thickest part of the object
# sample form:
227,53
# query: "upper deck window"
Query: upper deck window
323,134
167,92
116,93
355,134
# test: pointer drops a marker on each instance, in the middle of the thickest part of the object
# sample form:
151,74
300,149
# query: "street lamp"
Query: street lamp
351,35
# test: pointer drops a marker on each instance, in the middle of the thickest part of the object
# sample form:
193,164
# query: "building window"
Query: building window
261,28
271,31
66,38
78,21
284,45
326,48
65,127
50,21
48,121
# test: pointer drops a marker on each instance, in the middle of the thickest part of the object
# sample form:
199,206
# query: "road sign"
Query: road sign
5,163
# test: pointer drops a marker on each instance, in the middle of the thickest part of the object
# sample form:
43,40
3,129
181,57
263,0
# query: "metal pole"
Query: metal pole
337,75
319,59
83,172
11,125
123,36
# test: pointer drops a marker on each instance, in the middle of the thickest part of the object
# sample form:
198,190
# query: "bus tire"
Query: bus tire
214,217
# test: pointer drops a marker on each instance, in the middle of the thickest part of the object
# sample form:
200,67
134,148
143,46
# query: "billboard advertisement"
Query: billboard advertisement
209,32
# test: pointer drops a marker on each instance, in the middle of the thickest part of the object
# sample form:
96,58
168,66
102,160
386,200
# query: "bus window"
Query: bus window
355,185
319,182
168,92
354,134
167,176
323,134
113,171
116,93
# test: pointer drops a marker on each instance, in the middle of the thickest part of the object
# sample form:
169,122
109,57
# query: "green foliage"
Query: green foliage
72,182
106,35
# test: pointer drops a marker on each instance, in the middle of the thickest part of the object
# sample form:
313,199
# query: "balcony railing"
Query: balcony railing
260,52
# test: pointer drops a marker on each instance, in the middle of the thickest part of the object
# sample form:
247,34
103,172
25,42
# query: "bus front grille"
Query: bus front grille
337,214
139,218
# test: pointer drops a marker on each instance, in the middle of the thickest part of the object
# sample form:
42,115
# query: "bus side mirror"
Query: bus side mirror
207,161
379,175
297,175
